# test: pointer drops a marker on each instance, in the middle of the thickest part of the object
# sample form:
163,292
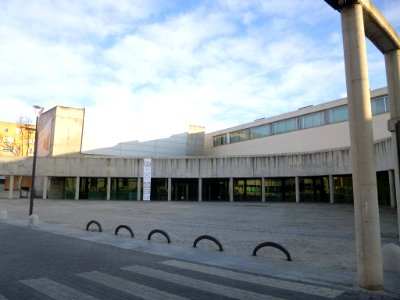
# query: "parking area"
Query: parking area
315,234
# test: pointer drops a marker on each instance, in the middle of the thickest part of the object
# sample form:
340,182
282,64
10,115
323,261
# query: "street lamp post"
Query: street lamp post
38,110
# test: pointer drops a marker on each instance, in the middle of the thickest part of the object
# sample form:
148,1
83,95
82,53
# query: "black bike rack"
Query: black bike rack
94,222
208,237
274,245
161,232
126,227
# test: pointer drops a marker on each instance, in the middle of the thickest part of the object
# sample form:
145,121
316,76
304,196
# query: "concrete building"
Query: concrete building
301,156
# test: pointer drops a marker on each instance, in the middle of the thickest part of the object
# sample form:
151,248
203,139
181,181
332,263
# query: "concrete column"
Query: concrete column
45,186
200,189
77,187
139,189
11,187
392,189
19,182
297,188
231,189
331,190
392,63
169,189
108,188
368,243
263,189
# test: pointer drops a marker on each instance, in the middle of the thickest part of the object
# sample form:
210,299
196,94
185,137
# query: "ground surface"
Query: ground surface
61,260
315,234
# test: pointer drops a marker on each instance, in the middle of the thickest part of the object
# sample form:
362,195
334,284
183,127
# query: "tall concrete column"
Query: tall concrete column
200,189
263,189
392,189
331,190
139,189
392,63
45,186
11,187
231,189
297,188
169,189
77,187
368,243
108,188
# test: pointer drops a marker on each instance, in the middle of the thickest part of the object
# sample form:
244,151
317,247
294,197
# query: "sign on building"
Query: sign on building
146,179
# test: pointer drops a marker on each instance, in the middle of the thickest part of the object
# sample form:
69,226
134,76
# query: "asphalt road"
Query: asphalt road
35,264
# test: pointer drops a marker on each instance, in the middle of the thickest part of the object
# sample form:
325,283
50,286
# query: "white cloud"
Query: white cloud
147,69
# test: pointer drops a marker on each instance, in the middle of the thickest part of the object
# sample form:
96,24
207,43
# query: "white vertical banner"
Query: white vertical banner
146,179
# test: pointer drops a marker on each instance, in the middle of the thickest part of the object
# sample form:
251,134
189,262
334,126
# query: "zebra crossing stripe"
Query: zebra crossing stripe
226,291
128,287
265,281
56,290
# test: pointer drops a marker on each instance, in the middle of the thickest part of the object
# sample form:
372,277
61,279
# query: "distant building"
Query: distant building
16,139
190,143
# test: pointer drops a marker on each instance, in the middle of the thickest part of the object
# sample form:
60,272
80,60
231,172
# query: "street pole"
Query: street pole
38,110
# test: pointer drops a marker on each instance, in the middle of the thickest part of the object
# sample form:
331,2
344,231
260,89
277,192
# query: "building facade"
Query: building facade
301,156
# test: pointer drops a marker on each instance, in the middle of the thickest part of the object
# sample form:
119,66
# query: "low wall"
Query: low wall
329,162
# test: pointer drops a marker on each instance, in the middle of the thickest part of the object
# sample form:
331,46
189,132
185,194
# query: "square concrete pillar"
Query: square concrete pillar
231,189
368,242
11,187
108,188
169,189
139,189
45,186
200,191
263,189
77,187
392,63
331,190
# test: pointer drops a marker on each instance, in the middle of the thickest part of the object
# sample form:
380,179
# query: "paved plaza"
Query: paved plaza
319,237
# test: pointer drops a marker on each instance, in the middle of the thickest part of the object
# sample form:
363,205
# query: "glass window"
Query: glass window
17,130
238,136
312,120
284,126
387,104
338,114
220,140
378,106
5,129
260,131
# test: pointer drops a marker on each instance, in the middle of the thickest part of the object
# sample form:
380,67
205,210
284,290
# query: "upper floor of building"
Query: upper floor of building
311,128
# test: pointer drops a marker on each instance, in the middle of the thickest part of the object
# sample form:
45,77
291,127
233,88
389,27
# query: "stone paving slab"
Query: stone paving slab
239,226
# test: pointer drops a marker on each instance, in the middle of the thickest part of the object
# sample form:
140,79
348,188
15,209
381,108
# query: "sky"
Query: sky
147,69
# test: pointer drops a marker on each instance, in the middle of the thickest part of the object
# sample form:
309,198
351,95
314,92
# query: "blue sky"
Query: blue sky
146,69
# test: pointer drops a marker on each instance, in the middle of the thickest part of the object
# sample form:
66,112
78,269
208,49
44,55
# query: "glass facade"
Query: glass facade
314,189
343,186
280,189
215,189
333,115
93,188
123,189
247,189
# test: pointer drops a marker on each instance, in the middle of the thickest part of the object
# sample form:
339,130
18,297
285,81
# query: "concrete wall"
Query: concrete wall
329,162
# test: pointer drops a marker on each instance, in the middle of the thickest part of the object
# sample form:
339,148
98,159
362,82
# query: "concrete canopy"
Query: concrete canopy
377,28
